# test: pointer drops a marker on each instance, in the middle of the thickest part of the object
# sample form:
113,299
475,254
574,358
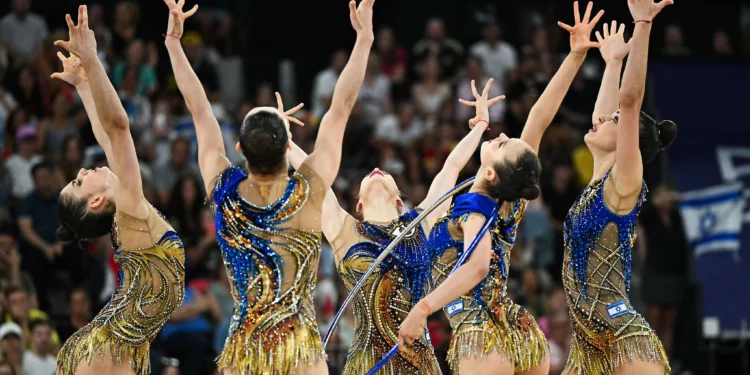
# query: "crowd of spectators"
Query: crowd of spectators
406,121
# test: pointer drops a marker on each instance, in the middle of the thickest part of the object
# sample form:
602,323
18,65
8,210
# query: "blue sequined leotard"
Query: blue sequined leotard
271,253
150,286
387,295
485,321
596,275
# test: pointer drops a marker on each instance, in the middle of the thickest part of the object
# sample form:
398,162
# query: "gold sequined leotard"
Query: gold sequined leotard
607,331
270,237
151,284
387,296
484,320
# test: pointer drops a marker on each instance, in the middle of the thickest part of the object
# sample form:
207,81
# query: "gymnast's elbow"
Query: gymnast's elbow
480,268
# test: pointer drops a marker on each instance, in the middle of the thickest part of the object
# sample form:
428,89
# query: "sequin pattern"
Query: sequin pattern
272,267
387,296
596,274
150,286
485,321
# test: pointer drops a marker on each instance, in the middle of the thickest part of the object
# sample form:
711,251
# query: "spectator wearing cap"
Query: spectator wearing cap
20,163
22,314
204,68
38,221
11,345
39,359
23,31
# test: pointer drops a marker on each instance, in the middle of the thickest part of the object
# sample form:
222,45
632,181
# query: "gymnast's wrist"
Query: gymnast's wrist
424,307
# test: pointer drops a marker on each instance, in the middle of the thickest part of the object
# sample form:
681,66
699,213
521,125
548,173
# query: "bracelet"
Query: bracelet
484,121
170,36
644,21
425,307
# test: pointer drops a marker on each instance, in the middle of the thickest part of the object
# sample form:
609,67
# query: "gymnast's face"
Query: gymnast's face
501,149
378,184
96,185
603,135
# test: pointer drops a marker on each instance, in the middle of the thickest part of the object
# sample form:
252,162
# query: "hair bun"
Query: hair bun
64,234
667,133
530,192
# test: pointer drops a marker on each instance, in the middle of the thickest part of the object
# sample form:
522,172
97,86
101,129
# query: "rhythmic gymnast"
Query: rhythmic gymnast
610,337
395,287
491,333
151,283
269,224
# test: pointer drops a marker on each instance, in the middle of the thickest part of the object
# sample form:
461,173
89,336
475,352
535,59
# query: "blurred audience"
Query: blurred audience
406,121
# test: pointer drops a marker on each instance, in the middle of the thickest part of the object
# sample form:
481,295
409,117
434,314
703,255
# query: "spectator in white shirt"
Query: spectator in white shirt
325,82
475,71
401,129
19,165
375,94
23,31
499,57
39,360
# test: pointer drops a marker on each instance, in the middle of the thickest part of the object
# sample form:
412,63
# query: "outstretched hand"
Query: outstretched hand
613,46
82,40
288,114
646,10
361,16
73,72
580,32
482,103
177,17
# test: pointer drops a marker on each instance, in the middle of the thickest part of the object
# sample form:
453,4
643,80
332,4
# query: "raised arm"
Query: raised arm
628,168
457,284
333,214
326,157
613,49
456,161
546,107
113,118
74,74
212,158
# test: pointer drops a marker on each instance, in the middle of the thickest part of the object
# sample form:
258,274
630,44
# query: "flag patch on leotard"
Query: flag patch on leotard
617,309
454,308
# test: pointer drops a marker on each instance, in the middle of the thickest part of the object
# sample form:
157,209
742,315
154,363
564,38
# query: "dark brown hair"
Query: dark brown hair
78,222
517,179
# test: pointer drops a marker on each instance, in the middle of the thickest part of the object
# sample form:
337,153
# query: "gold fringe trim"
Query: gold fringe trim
584,358
94,339
278,351
526,347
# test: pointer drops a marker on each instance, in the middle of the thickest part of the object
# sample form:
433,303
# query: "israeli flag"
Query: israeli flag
455,307
713,218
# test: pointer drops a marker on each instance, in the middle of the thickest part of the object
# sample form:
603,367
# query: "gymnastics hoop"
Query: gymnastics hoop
392,353
387,251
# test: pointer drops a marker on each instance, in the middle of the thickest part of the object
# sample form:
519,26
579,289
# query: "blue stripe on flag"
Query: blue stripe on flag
711,199
721,236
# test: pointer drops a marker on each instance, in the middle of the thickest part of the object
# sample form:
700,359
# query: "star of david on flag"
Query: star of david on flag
713,218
